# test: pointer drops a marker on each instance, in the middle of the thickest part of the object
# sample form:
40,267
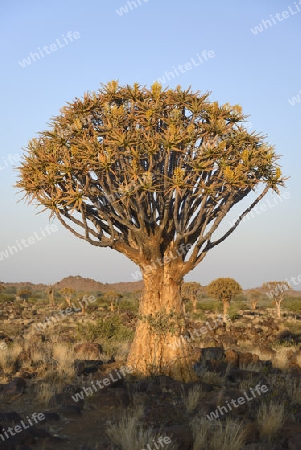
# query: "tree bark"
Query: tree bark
194,303
157,347
254,304
278,309
51,296
226,307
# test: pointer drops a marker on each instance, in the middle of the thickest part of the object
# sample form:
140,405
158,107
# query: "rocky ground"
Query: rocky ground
88,399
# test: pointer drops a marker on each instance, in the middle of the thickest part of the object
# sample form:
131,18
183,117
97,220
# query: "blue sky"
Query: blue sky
259,71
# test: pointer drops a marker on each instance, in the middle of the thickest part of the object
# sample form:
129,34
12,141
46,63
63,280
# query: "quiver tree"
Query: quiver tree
224,289
191,291
24,294
114,299
50,293
254,297
138,295
67,293
150,173
276,290
83,298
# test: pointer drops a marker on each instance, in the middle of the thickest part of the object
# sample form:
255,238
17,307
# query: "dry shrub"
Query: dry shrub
9,357
213,378
217,435
280,359
64,356
128,434
293,389
201,429
44,392
270,419
192,398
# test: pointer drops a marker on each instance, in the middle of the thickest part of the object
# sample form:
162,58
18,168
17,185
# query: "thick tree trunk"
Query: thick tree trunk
157,347
278,310
226,307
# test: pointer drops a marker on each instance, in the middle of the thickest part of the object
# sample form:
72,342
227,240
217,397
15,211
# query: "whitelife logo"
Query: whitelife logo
88,391
68,311
25,243
19,428
240,400
271,22
294,100
132,4
182,68
33,57
9,160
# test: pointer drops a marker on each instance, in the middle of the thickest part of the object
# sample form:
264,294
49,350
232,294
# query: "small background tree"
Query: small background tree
67,293
191,291
224,289
276,290
83,298
114,299
254,297
24,293
50,293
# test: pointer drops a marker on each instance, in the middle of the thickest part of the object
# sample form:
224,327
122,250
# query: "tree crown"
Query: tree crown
224,289
276,289
191,289
145,171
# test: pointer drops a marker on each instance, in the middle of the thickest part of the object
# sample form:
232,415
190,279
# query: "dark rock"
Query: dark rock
50,417
294,442
65,399
240,375
163,383
86,366
14,388
121,395
107,400
10,418
162,415
71,410
216,353
178,434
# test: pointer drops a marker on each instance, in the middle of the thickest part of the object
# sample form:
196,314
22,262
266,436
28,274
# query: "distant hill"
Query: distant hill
88,284
83,284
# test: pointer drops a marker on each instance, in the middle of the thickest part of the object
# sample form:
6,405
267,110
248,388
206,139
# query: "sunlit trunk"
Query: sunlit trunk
68,300
254,304
226,308
278,310
194,303
157,347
